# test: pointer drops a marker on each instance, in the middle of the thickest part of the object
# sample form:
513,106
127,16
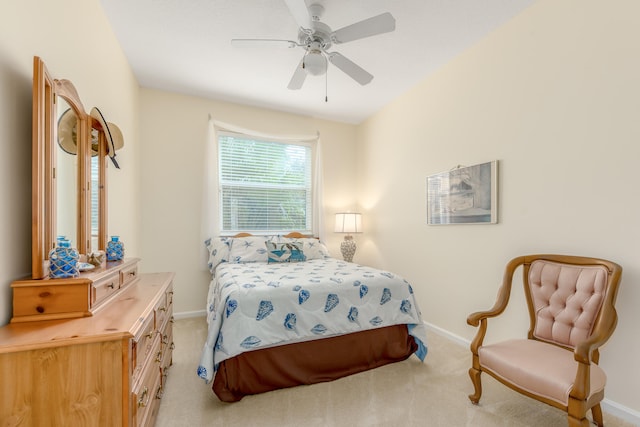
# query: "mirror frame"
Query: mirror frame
43,198
42,160
65,89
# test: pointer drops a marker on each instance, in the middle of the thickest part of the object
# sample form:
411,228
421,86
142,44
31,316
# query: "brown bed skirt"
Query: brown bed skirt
311,362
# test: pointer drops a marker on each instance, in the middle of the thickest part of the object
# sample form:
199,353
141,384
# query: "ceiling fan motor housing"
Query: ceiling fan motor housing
321,33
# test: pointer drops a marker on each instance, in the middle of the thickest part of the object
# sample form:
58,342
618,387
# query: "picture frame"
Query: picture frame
464,195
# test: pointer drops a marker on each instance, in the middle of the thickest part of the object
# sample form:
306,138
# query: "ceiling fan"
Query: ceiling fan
316,38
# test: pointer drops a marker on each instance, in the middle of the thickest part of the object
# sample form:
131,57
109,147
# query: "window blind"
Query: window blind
265,186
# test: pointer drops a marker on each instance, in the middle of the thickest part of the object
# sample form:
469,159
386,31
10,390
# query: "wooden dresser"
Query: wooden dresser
106,369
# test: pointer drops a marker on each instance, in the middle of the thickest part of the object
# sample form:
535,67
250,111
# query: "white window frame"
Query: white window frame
231,229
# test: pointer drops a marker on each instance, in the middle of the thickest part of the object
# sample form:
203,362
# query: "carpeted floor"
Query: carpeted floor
408,393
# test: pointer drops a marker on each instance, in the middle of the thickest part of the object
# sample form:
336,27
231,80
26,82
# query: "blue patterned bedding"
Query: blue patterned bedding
258,305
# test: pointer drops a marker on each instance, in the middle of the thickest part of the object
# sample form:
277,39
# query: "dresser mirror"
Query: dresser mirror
97,191
66,199
66,172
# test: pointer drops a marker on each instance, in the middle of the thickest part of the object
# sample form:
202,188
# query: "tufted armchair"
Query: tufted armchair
571,308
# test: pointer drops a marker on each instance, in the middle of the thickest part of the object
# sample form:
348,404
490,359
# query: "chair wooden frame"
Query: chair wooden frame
585,352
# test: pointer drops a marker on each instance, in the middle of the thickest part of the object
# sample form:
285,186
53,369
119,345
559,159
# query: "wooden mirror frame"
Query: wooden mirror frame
42,159
46,90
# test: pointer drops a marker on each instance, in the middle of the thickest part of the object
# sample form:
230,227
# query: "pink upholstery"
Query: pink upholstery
571,302
566,300
539,368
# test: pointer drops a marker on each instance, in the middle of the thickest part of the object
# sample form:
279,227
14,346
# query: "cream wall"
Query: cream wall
174,133
75,41
554,96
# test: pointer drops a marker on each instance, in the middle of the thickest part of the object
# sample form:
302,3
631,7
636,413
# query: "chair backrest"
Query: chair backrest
567,296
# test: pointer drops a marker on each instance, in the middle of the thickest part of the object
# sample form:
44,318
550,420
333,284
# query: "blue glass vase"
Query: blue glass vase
63,260
115,249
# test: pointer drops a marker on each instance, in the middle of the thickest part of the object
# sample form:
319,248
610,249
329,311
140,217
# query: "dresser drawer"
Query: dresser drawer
128,275
146,396
104,288
162,313
170,295
143,346
167,346
50,299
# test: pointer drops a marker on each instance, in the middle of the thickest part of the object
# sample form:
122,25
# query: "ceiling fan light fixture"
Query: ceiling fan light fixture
315,63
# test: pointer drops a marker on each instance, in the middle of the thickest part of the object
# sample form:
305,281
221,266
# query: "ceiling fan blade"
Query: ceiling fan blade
350,68
263,42
298,77
379,24
298,9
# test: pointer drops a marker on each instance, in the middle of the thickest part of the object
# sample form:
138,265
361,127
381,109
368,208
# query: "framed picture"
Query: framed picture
464,195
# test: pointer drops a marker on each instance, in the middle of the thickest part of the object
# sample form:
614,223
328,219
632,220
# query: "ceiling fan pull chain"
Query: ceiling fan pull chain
326,77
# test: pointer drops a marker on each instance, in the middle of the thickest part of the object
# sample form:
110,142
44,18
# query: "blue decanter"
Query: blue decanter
115,249
63,260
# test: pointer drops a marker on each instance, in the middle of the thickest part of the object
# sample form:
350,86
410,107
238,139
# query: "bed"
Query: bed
282,312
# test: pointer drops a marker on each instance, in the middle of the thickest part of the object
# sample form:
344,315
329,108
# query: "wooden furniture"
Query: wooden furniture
56,173
47,299
108,369
571,308
92,350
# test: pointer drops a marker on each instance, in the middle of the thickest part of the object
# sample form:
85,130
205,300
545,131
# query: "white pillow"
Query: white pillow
218,248
249,249
312,248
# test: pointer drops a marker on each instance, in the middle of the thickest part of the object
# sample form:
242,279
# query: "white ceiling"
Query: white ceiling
184,46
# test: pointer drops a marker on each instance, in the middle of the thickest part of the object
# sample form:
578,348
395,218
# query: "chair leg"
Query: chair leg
597,415
477,385
574,422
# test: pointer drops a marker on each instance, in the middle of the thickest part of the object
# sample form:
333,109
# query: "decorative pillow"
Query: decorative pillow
285,252
312,248
218,248
249,249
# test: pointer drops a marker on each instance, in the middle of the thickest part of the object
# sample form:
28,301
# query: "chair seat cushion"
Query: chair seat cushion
539,368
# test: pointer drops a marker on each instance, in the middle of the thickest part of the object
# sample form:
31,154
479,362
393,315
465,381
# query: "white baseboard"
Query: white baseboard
620,411
443,332
614,408
189,314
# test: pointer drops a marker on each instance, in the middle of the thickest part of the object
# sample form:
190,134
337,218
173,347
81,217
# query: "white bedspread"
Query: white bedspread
259,305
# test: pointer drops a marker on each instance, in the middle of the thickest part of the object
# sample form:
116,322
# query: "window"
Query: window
265,186
95,200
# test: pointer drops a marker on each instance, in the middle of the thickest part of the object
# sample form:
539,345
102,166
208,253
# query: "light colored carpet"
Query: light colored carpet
408,393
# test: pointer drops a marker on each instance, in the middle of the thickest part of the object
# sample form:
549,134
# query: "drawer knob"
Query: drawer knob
111,286
149,335
142,403
159,357
172,346
163,309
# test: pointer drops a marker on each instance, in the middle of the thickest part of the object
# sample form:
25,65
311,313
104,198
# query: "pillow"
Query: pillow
312,248
285,252
248,249
218,248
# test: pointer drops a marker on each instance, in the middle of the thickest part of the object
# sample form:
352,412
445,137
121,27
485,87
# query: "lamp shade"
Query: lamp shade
315,63
348,223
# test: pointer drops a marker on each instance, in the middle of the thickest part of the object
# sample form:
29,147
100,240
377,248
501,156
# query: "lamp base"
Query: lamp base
348,248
